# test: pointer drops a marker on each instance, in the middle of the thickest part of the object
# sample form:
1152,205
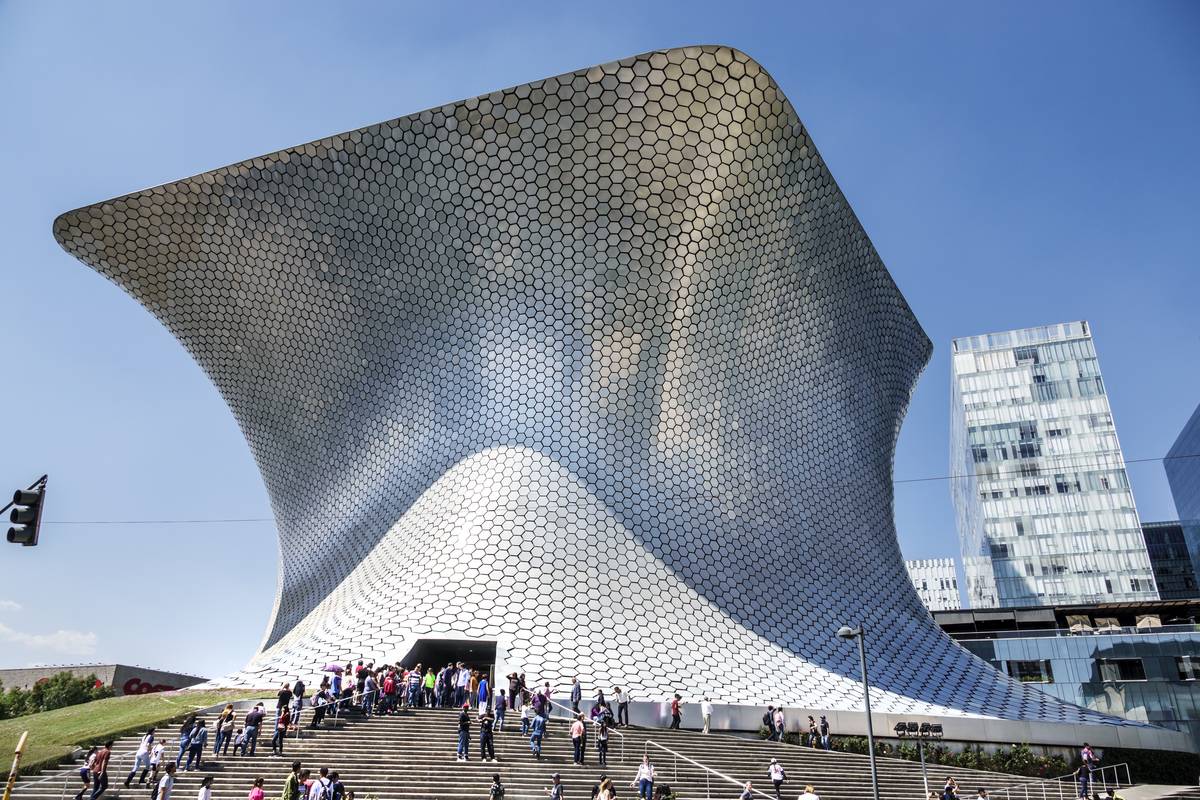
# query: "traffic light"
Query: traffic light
26,515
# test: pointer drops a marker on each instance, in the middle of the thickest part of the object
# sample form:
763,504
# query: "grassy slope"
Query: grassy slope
54,734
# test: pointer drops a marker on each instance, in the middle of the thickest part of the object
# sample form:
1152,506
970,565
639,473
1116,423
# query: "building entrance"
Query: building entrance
437,653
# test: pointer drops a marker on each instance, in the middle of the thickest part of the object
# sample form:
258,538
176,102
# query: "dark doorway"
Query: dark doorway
437,653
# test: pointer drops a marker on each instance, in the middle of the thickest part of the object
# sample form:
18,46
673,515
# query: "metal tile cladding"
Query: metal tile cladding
602,366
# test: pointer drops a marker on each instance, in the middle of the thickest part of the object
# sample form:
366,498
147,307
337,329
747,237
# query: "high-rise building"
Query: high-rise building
936,582
1171,557
1183,469
1044,508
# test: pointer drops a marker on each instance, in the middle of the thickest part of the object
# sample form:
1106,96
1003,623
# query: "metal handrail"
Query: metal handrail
1021,789
677,755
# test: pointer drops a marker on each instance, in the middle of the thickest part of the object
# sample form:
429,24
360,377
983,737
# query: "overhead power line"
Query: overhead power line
333,518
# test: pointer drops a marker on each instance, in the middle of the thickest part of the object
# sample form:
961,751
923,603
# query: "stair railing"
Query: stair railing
1104,775
676,756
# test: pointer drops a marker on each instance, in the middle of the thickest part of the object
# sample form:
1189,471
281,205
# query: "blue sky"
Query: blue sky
1014,164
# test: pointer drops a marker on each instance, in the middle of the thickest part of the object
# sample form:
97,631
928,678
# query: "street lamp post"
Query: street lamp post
859,633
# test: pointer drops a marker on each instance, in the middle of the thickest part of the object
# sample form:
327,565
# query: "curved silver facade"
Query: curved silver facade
602,367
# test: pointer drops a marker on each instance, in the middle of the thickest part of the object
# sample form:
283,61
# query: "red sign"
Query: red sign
135,686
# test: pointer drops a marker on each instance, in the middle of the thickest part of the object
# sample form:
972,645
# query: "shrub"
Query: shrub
60,691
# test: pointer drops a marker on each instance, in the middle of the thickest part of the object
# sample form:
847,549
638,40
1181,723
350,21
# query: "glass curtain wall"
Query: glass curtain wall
1044,508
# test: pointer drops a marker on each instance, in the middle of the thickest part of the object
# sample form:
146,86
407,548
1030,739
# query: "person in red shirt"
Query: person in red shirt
100,770
676,712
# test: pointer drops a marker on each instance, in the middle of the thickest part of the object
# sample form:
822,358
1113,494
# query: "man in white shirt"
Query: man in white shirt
622,700
167,782
706,711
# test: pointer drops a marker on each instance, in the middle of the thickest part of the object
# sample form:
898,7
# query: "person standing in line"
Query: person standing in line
602,742
336,686
501,707
809,793
576,694
254,721
555,791
824,731
487,748
369,694
415,696
524,720
225,733
622,707
706,709
484,692
256,791
428,682
337,789
281,727
166,784
464,734
537,729
473,688
780,724
283,699
676,712
85,772
769,721
185,734
291,784
100,770
141,758
577,738
320,707
777,775
226,713
514,691
196,746
644,780
205,792
546,703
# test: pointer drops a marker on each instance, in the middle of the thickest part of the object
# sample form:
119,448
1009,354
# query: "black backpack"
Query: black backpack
767,719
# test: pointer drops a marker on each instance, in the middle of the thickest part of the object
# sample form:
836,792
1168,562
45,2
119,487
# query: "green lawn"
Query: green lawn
54,734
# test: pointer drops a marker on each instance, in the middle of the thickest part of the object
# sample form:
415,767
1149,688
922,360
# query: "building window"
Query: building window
1189,667
1026,355
1122,669
1031,671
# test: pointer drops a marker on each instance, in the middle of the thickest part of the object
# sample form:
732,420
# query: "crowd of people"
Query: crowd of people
390,689
814,733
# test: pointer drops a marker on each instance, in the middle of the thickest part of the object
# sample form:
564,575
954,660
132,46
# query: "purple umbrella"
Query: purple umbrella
333,668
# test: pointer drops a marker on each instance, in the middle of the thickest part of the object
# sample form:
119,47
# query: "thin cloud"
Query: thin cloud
66,643
9,605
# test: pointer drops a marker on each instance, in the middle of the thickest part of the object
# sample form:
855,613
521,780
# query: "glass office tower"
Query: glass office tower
1044,508
1183,469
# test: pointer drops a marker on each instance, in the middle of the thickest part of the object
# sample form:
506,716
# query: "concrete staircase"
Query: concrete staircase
412,755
